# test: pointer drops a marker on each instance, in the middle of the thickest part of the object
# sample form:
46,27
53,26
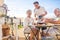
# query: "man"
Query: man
29,21
39,11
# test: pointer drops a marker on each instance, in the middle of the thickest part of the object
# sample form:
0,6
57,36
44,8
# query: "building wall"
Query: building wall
1,2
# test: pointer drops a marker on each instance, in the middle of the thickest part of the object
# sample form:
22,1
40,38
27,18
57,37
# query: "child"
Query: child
30,21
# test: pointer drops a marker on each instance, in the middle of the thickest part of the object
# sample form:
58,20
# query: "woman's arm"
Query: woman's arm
56,22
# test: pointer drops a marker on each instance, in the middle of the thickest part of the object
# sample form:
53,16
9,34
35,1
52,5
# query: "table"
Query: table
41,26
35,38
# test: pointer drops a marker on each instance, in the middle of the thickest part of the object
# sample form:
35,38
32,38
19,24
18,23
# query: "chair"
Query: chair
27,35
57,36
5,37
9,37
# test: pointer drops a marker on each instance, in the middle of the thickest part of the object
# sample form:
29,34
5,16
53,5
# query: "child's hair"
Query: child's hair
28,10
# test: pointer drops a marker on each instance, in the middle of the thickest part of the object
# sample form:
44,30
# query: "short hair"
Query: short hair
36,2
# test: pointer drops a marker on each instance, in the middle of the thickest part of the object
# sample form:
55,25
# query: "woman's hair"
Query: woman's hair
56,9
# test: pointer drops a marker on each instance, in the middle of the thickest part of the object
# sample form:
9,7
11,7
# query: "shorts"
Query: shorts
42,28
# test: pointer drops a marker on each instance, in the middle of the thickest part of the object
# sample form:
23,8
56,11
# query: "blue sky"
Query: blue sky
18,7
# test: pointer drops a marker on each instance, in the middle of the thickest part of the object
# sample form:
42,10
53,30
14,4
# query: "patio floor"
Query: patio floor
20,34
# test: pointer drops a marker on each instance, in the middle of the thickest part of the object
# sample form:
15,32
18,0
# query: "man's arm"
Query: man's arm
35,15
44,13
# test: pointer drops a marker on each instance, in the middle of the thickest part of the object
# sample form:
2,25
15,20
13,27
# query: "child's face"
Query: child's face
29,13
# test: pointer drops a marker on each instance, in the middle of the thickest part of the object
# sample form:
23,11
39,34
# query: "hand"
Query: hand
36,18
35,23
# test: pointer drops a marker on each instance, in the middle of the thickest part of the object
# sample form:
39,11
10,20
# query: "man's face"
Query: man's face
36,5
